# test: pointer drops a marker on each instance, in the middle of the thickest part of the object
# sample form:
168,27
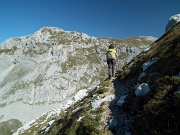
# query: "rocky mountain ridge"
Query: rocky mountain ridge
41,71
146,90
143,99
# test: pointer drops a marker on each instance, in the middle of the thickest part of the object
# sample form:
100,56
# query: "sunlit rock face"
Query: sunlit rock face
172,21
39,71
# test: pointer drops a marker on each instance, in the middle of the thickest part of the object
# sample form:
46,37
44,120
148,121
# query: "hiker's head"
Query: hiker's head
111,46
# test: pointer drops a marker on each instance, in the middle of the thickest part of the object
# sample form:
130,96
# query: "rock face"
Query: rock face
42,70
172,21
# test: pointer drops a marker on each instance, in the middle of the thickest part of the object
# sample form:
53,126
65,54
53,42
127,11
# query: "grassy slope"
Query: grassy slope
69,122
158,111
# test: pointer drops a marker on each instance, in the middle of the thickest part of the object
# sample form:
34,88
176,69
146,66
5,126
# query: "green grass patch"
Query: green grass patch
9,127
159,118
69,124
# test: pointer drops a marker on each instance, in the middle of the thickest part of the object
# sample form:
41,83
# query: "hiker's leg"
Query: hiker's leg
109,63
113,67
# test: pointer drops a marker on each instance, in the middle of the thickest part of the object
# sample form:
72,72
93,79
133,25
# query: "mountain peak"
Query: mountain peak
47,28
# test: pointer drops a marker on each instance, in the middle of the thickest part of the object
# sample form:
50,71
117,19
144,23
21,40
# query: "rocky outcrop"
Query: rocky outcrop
172,21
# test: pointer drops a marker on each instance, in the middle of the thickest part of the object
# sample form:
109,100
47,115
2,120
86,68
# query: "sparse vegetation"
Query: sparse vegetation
9,127
157,112
83,121
9,51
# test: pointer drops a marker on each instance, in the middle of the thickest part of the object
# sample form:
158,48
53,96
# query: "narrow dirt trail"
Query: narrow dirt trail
119,119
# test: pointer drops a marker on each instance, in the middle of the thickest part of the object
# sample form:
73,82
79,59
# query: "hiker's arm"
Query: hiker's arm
116,54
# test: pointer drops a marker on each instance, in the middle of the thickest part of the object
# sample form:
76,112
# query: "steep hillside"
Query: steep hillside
143,99
154,97
47,69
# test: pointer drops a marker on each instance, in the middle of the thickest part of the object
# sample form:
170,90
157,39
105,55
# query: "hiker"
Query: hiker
111,61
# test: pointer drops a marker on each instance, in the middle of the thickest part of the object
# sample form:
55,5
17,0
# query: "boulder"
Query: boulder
121,101
142,89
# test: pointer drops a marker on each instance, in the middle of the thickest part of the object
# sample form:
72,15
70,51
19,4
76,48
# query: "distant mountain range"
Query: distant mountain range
46,69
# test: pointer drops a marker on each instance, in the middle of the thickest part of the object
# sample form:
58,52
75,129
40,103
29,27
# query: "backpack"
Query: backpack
111,53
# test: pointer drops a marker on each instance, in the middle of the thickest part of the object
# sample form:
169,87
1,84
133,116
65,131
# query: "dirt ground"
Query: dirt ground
115,121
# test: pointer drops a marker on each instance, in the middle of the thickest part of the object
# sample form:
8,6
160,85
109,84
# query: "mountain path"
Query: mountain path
117,120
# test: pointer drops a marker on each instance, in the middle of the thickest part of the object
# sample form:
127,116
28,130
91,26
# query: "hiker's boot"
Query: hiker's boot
110,77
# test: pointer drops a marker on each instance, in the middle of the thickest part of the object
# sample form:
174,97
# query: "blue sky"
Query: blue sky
99,18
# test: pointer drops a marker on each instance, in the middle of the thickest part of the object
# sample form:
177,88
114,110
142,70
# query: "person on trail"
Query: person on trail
111,60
